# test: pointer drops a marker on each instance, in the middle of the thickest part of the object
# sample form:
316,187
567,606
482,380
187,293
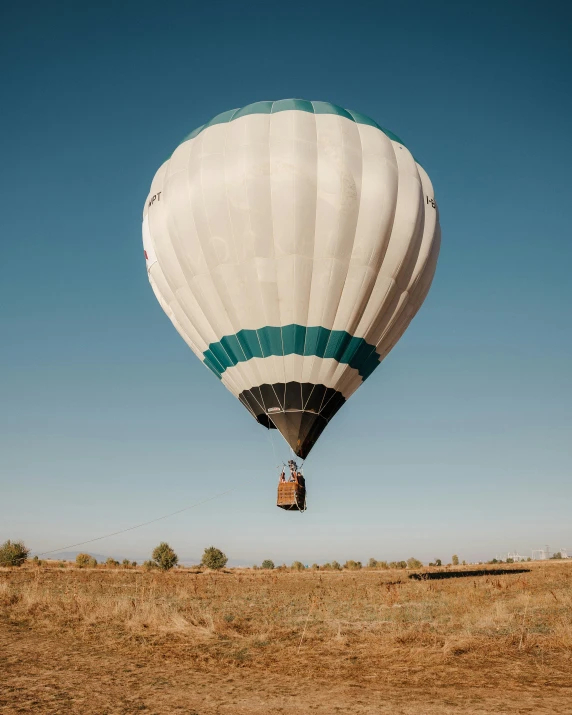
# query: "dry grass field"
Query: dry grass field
243,642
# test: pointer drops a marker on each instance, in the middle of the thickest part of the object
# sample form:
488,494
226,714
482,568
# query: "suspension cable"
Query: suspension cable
151,521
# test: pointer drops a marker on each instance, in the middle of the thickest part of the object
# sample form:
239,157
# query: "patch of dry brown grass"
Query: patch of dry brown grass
332,622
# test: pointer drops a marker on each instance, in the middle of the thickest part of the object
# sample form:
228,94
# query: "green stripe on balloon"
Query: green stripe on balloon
292,340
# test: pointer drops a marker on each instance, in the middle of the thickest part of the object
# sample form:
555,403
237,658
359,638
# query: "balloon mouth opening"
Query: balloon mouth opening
300,428
267,419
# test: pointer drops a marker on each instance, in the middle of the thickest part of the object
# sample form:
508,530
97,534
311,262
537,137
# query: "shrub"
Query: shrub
214,558
134,564
111,562
126,563
336,566
13,553
352,565
164,557
92,562
297,566
373,564
149,565
267,564
398,565
326,567
455,560
83,561
414,563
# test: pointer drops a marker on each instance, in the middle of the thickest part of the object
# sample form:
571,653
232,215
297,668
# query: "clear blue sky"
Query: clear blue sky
460,442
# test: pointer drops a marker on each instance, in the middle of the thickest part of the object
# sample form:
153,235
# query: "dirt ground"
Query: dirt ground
46,674
117,642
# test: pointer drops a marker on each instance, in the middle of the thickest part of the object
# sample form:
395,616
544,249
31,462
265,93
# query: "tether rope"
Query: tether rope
151,521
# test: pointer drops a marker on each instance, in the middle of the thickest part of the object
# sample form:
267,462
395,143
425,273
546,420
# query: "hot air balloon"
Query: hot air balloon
291,243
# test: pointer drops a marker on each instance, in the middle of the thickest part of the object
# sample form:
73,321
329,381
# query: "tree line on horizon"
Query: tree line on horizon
164,558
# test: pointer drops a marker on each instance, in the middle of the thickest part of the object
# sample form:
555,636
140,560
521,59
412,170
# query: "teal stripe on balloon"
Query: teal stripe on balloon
292,340
283,105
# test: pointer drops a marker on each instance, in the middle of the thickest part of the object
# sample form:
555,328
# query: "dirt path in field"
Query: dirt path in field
40,673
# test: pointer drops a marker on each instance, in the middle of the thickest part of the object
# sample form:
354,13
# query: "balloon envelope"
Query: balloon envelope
291,243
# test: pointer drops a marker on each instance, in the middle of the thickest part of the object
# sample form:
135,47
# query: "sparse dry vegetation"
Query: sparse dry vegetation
363,625
13,553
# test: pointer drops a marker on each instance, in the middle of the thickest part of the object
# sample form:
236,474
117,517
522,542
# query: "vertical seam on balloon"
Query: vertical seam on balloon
426,273
209,267
304,319
321,322
339,240
167,228
191,213
353,327
313,265
388,234
283,403
250,223
390,321
323,405
231,224
263,405
408,260
389,227
253,251
246,404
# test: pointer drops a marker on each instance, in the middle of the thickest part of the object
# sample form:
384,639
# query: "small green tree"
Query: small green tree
455,560
297,566
372,564
92,562
111,562
414,563
126,563
149,565
13,553
214,558
134,564
336,566
398,565
267,564
352,565
82,561
164,557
